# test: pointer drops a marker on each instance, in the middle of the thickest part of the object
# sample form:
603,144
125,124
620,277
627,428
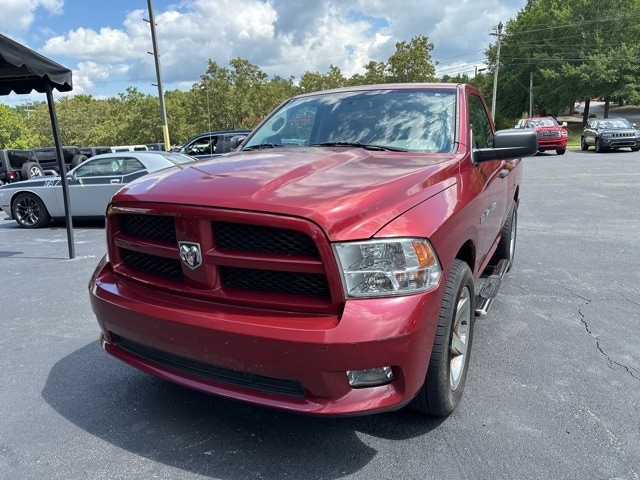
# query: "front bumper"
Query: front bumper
289,361
620,142
552,143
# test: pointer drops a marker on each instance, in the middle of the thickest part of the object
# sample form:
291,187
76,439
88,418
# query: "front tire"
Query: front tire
561,151
599,147
29,211
507,246
449,362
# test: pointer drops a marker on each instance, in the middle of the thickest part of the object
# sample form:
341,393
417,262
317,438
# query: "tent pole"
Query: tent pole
62,167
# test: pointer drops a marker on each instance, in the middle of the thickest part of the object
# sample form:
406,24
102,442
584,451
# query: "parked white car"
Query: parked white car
34,203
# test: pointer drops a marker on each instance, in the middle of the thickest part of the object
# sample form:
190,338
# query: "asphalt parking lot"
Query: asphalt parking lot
553,391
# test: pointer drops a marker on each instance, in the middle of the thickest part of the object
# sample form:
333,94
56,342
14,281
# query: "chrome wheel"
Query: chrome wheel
35,171
460,339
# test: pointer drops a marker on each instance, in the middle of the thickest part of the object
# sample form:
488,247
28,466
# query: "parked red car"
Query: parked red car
332,265
551,135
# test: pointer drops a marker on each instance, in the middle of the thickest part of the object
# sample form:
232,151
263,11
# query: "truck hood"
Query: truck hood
349,192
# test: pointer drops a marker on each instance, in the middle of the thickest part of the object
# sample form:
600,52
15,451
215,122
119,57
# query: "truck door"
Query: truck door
494,176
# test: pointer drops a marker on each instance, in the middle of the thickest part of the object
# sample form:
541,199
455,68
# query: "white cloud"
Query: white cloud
19,15
282,37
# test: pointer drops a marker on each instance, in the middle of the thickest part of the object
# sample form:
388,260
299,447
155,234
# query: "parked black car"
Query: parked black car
211,143
47,158
91,151
610,133
16,165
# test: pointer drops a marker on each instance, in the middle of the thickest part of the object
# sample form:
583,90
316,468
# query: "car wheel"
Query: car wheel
31,170
77,160
599,147
449,363
635,149
561,151
583,144
29,211
507,246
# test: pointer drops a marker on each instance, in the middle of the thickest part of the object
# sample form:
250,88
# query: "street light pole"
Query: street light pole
156,56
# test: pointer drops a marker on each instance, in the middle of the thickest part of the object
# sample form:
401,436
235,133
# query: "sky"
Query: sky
106,43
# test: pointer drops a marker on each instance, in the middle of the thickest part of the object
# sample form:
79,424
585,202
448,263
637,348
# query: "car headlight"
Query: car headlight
607,134
387,267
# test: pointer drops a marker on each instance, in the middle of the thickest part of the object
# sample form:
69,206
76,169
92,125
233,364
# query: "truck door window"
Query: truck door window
480,123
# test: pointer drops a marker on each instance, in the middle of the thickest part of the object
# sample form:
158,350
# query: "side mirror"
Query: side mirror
507,144
564,124
236,141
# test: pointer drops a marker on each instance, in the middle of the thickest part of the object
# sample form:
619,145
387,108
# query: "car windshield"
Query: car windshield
542,122
616,123
177,158
397,120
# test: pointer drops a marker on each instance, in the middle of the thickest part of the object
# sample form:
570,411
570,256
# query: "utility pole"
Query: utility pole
495,72
530,94
156,56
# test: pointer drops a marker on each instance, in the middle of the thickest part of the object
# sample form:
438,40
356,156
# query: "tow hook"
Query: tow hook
490,287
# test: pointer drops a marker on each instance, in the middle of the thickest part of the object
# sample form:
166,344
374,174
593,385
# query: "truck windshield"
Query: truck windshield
405,120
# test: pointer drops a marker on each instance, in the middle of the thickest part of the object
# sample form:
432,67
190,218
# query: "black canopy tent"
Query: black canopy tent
22,70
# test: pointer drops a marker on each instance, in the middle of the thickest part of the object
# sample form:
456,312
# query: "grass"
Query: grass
575,131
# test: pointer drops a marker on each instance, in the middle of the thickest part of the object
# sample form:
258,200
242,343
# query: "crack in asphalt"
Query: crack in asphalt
635,373
630,370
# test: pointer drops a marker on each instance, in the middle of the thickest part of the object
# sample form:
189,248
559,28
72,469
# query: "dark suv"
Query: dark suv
209,144
91,151
73,157
610,133
16,165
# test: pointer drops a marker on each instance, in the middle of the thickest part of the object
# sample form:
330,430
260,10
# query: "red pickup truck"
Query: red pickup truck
333,264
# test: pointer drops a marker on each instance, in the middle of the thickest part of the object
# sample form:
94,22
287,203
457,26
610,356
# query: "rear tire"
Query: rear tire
77,160
29,211
449,363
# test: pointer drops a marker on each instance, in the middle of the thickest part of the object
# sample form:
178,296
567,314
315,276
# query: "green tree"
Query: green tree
580,49
412,62
13,129
316,81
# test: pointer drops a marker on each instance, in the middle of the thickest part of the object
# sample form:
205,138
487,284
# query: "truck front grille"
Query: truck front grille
236,262
150,227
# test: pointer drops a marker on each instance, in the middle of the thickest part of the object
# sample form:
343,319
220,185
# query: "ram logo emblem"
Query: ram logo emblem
190,254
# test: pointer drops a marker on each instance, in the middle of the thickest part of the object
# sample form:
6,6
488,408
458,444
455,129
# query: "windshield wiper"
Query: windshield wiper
260,146
366,146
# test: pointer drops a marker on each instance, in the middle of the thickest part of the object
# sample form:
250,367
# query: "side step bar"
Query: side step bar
490,288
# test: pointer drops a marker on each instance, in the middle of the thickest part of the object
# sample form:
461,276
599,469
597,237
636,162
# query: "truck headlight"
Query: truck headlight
387,267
